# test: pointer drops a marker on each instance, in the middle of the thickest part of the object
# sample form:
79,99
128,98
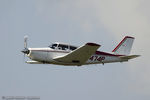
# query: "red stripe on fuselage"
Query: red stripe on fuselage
106,54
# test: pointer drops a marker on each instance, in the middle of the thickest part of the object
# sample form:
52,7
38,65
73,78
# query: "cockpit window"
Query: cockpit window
62,47
53,46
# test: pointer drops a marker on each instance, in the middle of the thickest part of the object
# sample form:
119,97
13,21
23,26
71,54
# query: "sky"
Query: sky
76,22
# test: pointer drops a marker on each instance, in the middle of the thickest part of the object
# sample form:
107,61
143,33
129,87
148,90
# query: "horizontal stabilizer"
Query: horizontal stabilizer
129,57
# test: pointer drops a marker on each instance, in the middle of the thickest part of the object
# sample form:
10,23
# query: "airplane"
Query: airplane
70,55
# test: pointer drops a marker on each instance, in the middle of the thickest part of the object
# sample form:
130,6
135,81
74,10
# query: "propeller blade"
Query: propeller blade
25,41
23,57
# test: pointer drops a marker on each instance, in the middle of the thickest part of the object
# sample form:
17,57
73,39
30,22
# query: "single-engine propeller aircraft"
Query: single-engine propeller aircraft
65,54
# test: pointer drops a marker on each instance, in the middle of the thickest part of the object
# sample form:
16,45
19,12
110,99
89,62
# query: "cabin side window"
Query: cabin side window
62,47
72,48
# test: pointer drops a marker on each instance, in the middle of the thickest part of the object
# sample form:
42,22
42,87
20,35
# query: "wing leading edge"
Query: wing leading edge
80,55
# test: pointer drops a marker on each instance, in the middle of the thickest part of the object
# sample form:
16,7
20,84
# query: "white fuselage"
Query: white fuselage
46,55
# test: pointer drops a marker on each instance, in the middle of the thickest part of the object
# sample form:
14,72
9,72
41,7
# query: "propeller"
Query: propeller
25,50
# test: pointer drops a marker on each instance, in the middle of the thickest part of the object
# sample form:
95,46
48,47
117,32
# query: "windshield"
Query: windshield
53,46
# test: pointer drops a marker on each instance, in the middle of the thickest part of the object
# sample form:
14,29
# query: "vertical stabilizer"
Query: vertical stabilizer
124,47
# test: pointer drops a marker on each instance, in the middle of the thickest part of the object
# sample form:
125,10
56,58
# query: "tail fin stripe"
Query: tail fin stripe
119,44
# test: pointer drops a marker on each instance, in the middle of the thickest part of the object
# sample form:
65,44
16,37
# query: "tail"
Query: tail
124,47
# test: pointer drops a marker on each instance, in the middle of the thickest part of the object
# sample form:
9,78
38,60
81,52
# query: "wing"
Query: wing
80,55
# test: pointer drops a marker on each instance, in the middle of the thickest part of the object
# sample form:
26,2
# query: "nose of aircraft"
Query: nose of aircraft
25,51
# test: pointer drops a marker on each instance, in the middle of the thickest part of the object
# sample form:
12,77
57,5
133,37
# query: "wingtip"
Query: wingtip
138,55
93,44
